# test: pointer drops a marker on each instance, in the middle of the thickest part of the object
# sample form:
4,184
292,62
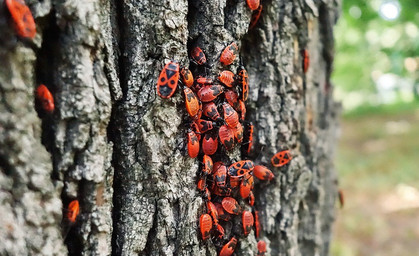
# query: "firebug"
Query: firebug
229,54
240,168
281,158
210,110
238,133
253,4
209,144
168,80
22,18
191,102
227,78
231,206
243,80
207,165
204,80
44,96
232,98
210,92
204,125
198,56
228,248
246,185
73,211
226,137
205,224
187,77
258,227
263,173
306,60
247,221
193,144
261,248
231,117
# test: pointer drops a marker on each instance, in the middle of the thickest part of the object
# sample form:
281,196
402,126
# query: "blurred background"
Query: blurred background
376,79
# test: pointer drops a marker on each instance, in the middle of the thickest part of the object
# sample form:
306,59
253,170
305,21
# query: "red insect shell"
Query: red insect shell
251,199
229,54
253,4
221,191
257,224
198,56
238,133
306,60
191,102
255,17
231,206
195,128
246,186
210,92
242,110
209,144
232,98
73,211
212,211
240,168
210,110
168,80
45,97
22,18
208,165
187,77
201,184
247,220
226,137
228,248
243,79
220,176
193,144
281,158
222,214
205,224
204,80
204,125
199,114
263,173
261,248
227,78
230,115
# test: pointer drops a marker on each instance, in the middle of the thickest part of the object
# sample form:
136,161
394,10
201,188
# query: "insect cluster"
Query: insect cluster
216,113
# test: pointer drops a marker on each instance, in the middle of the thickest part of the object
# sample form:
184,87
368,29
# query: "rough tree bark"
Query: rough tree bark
120,150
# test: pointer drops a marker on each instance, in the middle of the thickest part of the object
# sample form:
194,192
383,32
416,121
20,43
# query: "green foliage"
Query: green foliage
366,43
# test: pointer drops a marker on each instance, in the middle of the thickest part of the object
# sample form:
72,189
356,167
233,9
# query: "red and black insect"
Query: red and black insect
193,144
243,80
258,227
44,96
227,78
198,56
205,224
248,138
168,80
73,211
209,144
229,54
240,168
231,117
22,18
306,60
255,17
204,125
226,137
231,206
207,165
253,4
246,186
220,176
191,102
263,173
204,80
195,128
214,214
228,248
210,110
247,221
210,92
261,248
281,158
232,98
187,77
238,133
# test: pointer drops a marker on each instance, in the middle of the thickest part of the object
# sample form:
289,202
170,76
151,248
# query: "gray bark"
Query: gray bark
119,149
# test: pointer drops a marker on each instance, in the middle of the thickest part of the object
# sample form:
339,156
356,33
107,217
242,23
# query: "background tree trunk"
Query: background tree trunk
119,149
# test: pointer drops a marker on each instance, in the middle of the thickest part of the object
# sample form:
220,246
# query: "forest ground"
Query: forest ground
377,162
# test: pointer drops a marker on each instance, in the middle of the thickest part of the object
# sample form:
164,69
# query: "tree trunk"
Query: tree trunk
119,149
